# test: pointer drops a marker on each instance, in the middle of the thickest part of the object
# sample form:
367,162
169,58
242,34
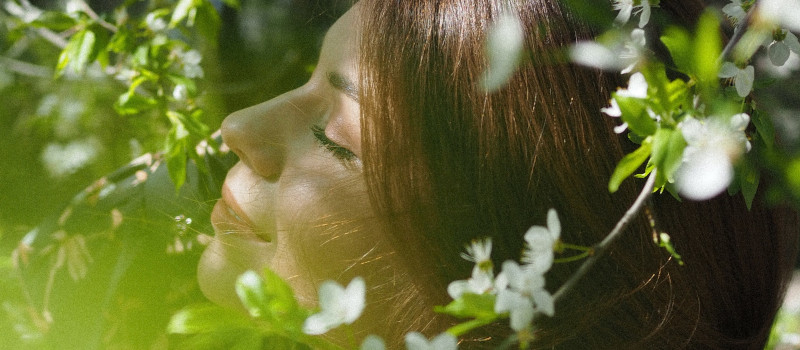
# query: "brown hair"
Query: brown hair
447,162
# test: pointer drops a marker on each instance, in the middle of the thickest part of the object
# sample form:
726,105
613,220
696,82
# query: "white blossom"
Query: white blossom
623,53
482,280
735,11
627,7
444,341
742,77
373,342
541,240
521,293
338,306
785,13
504,45
713,145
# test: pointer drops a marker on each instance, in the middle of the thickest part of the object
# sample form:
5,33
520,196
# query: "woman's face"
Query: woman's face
296,202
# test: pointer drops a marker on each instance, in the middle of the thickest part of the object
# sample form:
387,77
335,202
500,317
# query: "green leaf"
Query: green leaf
271,299
208,21
679,43
470,305
749,178
205,318
629,164
78,52
707,49
634,112
667,154
177,146
132,104
55,21
764,127
181,11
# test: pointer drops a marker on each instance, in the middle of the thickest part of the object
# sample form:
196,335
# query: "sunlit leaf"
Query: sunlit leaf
629,164
181,11
634,112
203,318
679,43
470,305
707,49
55,21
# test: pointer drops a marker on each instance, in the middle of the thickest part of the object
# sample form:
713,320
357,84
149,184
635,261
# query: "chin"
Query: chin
223,262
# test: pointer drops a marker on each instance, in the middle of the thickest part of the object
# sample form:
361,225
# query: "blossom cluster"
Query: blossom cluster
689,129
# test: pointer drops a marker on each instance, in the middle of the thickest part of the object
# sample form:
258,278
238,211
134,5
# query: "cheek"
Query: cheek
326,230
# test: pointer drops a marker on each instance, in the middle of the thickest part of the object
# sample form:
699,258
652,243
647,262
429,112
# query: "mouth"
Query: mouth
228,219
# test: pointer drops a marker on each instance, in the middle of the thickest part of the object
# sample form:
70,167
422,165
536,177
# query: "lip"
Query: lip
228,219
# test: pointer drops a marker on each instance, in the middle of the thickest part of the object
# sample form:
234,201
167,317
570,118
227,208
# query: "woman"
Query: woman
392,158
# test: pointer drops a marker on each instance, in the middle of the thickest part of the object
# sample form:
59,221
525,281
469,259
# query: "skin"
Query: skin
292,205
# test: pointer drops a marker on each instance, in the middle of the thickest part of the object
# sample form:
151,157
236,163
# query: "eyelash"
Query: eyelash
338,151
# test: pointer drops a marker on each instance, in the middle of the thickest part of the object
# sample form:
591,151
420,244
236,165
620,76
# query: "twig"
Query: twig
93,15
25,68
738,32
52,37
599,249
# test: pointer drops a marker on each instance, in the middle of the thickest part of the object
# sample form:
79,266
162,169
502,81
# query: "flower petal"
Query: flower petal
744,81
792,43
354,299
778,53
728,70
645,16
553,225
706,173
444,341
373,342
416,341
320,323
613,110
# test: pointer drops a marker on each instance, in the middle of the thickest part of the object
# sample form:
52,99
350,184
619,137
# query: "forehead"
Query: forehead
340,48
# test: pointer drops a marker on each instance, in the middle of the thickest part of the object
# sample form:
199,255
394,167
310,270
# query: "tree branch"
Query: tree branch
599,249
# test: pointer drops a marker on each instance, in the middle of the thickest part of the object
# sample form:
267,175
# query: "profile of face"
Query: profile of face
296,202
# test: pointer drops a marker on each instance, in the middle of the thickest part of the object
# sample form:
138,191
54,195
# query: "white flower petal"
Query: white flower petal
734,10
744,81
320,323
728,70
544,302
624,13
504,45
354,299
373,342
553,224
613,110
792,43
522,314
592,54
740,121
457,288
621,128
444,341
645,16
416,341
538,236
706,173
782,12
330,295
637,87
778,53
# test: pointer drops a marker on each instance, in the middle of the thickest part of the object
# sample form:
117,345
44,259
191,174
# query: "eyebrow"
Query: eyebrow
339,82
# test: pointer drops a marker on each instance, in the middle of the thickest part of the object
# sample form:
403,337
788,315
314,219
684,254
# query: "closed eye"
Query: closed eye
341,153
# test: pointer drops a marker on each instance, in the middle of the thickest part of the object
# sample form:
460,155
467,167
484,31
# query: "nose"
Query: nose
260,135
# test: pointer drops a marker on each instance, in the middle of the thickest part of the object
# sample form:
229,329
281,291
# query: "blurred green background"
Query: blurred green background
108,271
